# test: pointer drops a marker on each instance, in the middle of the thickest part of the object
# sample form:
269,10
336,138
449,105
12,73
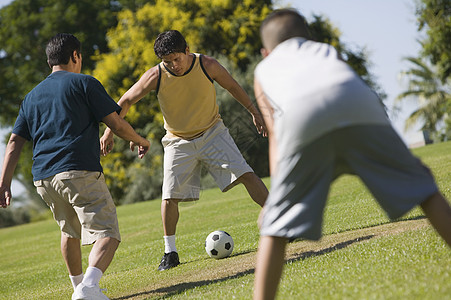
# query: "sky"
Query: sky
386,28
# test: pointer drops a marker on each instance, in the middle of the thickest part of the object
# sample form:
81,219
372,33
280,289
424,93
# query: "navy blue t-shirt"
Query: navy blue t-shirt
61,115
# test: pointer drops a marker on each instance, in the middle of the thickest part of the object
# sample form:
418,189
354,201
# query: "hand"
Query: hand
142,149
260,124
106,143
5,196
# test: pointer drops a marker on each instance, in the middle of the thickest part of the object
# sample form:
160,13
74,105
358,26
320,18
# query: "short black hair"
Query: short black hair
61,47
169,42
281,25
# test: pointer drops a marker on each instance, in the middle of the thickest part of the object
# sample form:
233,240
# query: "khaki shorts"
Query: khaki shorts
183,159
81,205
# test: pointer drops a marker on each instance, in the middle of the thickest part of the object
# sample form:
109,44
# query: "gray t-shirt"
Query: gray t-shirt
314,92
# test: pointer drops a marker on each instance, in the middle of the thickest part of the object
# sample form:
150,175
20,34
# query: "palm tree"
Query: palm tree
433,95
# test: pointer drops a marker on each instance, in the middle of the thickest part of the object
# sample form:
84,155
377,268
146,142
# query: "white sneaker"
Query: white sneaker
83,292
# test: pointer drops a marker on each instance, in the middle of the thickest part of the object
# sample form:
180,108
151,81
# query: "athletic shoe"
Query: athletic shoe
168,261
84,292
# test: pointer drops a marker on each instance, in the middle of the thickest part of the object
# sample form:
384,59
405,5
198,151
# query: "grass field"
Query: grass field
361,256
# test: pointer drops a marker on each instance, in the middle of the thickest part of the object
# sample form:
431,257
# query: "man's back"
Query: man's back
313,92
61,116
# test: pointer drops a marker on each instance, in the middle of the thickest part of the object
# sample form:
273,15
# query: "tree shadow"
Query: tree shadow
165,292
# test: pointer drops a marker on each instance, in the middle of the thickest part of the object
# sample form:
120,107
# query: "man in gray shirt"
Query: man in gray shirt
323,121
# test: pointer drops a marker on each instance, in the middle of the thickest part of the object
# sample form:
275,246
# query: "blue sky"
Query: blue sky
4,2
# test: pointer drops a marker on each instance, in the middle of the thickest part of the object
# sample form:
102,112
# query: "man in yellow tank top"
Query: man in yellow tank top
195,133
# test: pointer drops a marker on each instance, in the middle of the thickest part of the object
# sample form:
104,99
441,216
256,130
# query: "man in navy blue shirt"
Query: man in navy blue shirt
61,117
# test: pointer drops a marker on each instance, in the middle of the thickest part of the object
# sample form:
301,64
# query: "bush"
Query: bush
14,216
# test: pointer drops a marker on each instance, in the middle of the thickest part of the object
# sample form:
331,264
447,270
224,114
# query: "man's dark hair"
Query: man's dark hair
281,25
61,47
169,42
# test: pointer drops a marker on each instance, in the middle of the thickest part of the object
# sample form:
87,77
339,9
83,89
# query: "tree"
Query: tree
25,28
425,85
429,78
434,17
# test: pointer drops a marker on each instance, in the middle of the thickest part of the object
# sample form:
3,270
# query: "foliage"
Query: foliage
434,17
140,180
217,27
434,98
429,77
13,217
25,28
445,135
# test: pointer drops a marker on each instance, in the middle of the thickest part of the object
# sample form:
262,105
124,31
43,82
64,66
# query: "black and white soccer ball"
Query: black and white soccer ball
219,244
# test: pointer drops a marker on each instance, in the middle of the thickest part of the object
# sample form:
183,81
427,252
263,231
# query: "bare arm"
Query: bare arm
146,84
267,112
218,73
124,130
12,154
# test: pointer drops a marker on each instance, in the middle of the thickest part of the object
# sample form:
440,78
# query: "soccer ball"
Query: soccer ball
219,244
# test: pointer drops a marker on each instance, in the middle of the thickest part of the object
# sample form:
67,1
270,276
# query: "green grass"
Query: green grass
350,262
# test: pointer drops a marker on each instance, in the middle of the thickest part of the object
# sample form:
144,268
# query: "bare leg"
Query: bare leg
255,187
102,253
71,251
270,259
438,212
170,215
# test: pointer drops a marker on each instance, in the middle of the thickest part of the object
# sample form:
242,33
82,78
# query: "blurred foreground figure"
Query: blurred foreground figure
324,121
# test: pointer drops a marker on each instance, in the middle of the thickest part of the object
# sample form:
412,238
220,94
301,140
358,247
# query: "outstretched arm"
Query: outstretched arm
147,82
218,73
12,154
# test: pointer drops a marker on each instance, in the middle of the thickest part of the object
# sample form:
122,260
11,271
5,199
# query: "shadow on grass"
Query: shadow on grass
209,258
409,219
179,288
308,254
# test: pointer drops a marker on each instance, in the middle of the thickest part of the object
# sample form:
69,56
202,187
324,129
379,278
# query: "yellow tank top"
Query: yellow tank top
188,102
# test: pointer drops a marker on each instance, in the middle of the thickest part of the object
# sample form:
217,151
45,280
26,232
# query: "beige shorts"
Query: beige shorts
183,159
81,205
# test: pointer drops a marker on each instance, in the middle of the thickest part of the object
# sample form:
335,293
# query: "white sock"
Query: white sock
76,280
169,243
92,276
